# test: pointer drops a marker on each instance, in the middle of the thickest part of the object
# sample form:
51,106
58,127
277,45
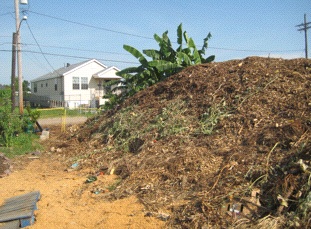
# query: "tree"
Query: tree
164,62
26,86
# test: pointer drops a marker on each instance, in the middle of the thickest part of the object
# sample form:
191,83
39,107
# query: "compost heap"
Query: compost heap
216,145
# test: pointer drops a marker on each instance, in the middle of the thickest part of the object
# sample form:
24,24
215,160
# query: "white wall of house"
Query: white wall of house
47,88
80,96
77,86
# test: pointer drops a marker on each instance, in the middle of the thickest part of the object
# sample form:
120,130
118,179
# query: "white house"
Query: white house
74,85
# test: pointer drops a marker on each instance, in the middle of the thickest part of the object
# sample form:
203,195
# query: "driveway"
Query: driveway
46,122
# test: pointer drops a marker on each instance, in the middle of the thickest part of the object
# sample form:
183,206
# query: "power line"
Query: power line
91,26
39,46
211,47
127,54
37,62
69,48
71,56
150,38
253,50
41,51
117,53
304,27
77,49
5,14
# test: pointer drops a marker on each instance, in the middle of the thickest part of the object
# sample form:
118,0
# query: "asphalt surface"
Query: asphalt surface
46,122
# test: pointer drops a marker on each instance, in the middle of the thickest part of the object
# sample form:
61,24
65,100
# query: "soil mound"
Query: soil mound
216,145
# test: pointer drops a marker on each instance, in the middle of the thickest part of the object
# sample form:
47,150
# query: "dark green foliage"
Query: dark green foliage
164,62
11,124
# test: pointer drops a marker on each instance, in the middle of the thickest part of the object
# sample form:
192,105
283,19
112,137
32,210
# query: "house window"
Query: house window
46,84
84,83
75,83
35,87
55,84
42,85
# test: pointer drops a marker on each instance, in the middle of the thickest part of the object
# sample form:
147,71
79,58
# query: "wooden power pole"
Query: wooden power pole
13,72
304,27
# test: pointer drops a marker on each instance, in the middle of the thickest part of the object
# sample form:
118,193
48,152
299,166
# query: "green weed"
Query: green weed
172,120
211,118
21,144
127,126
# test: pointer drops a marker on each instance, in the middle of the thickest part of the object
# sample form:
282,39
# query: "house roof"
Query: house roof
108,73
66,70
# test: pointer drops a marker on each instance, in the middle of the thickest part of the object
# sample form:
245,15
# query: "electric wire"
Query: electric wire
127,54
37,62
254,50
119,32
39,47
210,47
5,14
78,49
151,38
139,36
71,56
91,26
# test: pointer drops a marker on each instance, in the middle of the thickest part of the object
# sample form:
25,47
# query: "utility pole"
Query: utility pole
19,59
304,27
13,72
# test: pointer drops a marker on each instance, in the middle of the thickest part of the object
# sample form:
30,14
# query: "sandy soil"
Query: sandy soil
67,201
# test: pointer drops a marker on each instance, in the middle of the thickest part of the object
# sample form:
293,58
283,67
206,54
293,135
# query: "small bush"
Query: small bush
10,124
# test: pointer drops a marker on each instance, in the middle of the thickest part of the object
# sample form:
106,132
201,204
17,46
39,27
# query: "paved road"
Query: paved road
46,122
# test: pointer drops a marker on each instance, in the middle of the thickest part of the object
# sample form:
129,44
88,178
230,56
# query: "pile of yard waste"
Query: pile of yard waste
216,145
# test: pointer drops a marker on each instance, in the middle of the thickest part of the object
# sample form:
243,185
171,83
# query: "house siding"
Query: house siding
47,87
65,95
80,96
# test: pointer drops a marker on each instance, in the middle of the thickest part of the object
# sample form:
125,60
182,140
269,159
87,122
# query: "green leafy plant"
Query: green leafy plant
30,119
125,128
211,118
172,120
162,63
10,124
21,144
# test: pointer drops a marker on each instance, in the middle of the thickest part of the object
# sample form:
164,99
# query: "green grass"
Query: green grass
22,144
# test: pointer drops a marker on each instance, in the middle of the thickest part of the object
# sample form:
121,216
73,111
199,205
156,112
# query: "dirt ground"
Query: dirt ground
67,201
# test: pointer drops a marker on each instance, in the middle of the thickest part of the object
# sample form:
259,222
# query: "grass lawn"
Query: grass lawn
58,112
23,143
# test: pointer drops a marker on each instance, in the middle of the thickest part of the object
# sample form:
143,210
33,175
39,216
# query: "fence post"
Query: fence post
64,121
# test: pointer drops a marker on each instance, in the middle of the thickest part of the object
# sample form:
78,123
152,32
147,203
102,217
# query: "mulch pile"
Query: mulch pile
241,155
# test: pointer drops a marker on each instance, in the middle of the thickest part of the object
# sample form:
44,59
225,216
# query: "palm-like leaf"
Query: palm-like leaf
137,54
154,54
165,61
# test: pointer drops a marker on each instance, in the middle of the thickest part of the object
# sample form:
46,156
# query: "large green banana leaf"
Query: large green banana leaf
137,54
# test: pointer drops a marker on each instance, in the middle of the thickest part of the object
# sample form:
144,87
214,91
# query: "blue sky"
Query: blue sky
73,31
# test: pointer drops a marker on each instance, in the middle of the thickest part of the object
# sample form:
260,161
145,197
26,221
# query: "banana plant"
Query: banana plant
163,62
